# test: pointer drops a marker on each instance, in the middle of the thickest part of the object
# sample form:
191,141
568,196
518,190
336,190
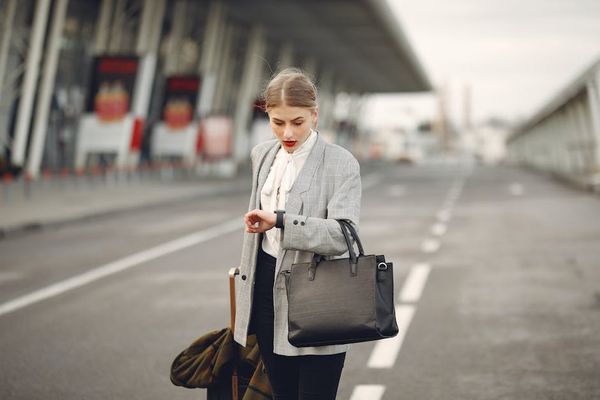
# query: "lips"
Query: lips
289,144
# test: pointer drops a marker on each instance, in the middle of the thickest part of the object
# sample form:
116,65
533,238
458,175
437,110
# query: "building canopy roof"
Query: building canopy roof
361,40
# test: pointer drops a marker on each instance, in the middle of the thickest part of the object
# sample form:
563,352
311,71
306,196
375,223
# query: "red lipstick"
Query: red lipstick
290,143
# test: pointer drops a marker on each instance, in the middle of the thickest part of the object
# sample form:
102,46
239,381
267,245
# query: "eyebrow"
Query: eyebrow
277,119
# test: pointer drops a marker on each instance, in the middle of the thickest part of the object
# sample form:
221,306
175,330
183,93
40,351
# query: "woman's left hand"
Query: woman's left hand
266,220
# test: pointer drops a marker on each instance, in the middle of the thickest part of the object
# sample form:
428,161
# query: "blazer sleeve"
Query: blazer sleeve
324,235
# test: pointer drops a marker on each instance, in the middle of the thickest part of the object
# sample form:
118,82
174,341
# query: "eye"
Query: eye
298,123
278,123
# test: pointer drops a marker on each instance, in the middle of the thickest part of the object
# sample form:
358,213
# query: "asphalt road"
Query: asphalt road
497,275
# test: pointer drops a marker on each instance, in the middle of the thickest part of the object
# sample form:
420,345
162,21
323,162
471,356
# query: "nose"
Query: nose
288,134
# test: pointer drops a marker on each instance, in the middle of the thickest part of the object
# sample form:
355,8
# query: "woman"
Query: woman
301,185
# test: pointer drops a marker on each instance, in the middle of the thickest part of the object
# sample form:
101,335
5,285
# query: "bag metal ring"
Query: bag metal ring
382,266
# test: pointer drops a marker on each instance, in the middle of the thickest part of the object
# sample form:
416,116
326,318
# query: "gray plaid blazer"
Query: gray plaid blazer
328,187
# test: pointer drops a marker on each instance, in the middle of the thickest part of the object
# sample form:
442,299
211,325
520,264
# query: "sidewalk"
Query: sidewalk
47,204
59,205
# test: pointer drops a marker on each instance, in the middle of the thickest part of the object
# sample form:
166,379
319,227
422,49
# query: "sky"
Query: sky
514,54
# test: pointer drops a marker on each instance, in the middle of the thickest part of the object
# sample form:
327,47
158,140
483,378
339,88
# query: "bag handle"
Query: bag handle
312,269
350,227
353,256
348,240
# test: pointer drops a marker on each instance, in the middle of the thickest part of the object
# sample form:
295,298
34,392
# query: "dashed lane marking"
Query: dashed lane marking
414,284
370,180
438,229
430,245
386,351
397,190
367,392
516,189
444,215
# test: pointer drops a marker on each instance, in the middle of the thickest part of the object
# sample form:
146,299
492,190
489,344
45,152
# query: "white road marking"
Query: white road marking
367,392
179,222
397,190
516,189
370,180
438,229
449,203
444,215
430,245
414,284
9,276
386,351
121,265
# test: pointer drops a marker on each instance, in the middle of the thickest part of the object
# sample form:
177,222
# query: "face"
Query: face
291,125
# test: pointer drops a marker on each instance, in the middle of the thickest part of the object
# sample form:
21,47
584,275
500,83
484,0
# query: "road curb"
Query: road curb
236,186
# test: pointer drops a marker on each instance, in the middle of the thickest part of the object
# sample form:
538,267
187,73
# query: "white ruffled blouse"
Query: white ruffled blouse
281,178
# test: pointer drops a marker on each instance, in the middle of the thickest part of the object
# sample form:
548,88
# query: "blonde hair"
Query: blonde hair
291,87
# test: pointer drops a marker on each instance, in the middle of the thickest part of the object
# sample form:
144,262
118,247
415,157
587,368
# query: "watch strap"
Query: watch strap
279,219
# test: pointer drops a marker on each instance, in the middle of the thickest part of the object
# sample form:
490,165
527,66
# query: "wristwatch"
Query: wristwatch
279,219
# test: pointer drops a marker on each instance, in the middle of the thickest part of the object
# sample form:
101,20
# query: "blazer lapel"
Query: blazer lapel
265,163
314,159
296,196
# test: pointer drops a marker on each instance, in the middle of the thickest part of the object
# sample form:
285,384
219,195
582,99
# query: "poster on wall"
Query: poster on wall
111,90
217,134
181,95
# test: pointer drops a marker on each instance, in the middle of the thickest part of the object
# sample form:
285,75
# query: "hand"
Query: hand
265,220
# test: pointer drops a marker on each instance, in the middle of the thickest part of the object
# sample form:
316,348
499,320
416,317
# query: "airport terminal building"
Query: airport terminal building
127,82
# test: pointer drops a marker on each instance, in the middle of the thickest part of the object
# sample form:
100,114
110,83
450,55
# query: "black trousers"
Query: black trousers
309,377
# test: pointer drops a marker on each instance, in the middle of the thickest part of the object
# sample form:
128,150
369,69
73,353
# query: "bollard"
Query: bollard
110,176
94,173
46,181
79,178
27,185
64,176
7,180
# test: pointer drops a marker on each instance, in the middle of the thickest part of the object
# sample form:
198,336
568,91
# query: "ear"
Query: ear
315,117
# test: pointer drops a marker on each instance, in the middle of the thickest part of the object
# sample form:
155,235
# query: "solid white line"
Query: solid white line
414,284
386,351
121,265
367,392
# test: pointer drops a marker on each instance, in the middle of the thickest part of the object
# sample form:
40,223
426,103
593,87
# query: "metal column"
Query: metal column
119,20
175,36
209,61
249,84
327,99
593,90
226,66
6,36
40,125
29,81
310,67
286,56
102,30
155,31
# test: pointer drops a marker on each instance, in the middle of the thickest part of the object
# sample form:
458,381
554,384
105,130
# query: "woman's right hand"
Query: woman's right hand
264,219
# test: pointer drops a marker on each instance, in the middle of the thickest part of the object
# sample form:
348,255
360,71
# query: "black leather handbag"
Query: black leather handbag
344,300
